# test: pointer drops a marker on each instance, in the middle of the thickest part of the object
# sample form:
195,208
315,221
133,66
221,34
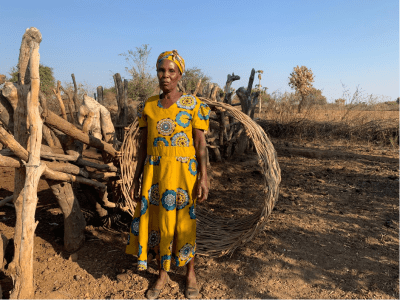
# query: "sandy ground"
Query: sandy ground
334,233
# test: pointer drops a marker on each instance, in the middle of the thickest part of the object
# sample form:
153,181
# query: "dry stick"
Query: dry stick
25,206
51,140
128,162
70,106
75,96
55,121
100,167
60,101
56,156
105,175
47,136
4,202
55,139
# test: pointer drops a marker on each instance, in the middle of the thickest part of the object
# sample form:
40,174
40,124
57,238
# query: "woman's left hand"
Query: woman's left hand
202,190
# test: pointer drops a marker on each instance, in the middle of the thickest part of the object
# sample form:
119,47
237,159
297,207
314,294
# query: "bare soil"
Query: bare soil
334,233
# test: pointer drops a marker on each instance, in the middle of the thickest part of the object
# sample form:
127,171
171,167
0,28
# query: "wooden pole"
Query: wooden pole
26,200
100,94
60,101
75,97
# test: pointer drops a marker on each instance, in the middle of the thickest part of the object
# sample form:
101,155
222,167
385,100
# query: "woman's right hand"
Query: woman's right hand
134,191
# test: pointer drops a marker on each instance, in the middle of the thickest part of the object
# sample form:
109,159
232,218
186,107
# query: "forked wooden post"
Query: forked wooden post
28,134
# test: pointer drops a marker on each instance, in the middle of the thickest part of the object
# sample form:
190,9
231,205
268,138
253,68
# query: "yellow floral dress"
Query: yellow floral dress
164,222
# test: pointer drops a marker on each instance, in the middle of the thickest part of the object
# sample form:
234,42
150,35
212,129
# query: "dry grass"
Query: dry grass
361,123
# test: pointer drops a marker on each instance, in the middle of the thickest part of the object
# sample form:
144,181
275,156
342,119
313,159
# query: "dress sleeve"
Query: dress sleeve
201,118
141,115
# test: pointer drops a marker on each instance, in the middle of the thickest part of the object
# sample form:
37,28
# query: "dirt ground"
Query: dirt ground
334,233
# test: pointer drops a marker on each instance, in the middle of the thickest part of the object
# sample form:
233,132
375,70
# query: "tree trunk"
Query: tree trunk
300,106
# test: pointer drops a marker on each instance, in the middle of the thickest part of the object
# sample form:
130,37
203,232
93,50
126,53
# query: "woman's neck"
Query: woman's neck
171,96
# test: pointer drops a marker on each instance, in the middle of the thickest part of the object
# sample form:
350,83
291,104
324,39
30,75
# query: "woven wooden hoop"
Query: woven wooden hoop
217,236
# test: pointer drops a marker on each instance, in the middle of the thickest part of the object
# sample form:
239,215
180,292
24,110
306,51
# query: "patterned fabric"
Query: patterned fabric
172,56
164,222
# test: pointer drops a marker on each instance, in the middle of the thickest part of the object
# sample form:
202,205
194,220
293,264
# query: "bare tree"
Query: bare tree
301,80
142,84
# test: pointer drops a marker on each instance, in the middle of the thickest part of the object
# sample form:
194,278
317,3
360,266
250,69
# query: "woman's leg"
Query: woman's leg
155,290
190,274
162,278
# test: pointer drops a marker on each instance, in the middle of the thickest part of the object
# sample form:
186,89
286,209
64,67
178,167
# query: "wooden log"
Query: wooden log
100,167
10,92
57,156
2,203
47,136
100,96
105,175
60,101
101,126
74,222
6,113
55,121
12,162
55,175
25,206
56,140
9,142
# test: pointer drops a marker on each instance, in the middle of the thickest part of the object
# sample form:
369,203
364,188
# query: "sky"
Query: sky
347,44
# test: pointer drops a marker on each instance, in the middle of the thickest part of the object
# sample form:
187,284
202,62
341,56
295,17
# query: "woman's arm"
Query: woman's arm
142,153
201,156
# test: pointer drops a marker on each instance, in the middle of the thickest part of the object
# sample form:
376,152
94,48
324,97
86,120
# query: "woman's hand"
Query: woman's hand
134,191
202,189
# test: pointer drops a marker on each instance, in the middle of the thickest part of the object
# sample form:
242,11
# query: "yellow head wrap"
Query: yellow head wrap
172,56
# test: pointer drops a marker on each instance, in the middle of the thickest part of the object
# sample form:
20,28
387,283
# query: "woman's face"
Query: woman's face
168,75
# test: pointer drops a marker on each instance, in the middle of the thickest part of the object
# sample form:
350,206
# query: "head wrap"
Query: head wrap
172,56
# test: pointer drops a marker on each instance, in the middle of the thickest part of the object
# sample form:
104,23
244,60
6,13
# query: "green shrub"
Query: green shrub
47,81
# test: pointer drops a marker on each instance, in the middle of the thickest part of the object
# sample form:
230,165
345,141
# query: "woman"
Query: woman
172,162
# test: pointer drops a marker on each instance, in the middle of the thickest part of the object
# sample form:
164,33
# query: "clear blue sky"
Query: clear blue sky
354,42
